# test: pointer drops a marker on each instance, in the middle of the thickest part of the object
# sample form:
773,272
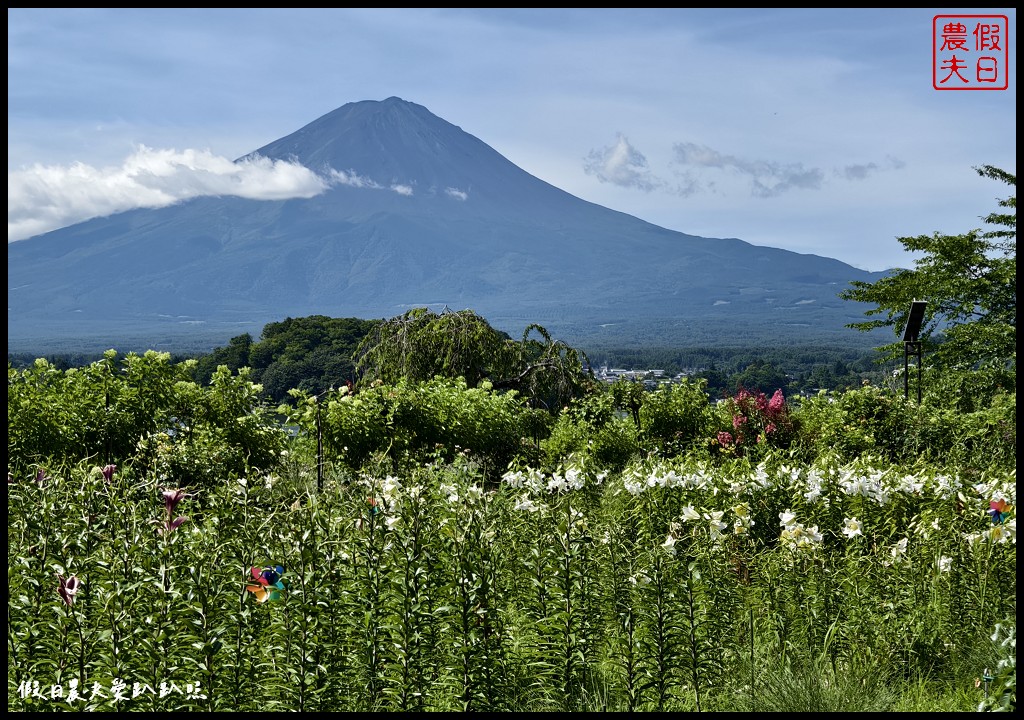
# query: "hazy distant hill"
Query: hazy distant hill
422,214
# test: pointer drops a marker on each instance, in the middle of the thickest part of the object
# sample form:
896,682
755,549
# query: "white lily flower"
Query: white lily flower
852,527
689,513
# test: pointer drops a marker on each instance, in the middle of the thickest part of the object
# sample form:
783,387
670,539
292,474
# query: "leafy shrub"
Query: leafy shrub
873,421
610,445
101,410
966,390
675,418
865,421
222,431
438,418
141,409
985,437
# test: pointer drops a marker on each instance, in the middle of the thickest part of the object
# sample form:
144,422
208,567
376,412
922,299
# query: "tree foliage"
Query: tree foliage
421,345
761,377
311,353
969,282
235,357
548,372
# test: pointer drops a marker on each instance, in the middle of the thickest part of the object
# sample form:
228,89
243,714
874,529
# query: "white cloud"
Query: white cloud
767,179
456,193
352,179
42,198
861,171
621,164
696,165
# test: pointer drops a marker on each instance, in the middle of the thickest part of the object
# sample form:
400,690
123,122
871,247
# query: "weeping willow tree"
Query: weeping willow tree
421,344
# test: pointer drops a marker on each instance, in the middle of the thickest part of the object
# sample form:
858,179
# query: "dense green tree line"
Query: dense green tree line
295,357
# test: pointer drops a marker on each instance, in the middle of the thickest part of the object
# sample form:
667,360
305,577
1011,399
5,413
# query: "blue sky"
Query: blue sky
814,130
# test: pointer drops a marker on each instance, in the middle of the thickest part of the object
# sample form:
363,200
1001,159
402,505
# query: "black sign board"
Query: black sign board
914,320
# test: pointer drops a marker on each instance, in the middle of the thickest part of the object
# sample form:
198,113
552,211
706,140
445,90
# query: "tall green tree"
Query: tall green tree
969,282
235,356
311,353
760,375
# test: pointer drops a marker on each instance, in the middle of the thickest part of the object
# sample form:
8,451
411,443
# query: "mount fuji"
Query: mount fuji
416,213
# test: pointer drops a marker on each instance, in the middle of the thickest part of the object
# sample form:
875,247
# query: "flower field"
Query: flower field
171,547
674,586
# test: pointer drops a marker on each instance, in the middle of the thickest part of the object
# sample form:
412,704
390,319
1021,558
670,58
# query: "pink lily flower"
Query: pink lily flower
67,588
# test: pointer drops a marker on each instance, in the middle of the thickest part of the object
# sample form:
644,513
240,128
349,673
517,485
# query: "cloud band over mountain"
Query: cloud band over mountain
43,198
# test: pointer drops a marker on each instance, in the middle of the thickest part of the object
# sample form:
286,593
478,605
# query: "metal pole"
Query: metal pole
908,348
906,370
919,364
319,450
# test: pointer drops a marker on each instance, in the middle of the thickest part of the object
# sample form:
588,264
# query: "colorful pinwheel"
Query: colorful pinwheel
998,510
267,583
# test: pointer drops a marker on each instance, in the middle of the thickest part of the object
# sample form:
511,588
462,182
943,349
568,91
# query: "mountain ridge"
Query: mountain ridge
418,213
